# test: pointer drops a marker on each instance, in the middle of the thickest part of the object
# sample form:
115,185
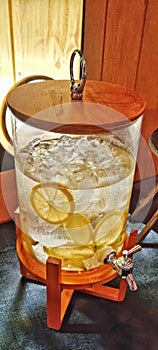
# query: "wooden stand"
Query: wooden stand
60,285
58,298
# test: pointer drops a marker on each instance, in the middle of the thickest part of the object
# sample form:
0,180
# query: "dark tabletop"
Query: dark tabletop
91,323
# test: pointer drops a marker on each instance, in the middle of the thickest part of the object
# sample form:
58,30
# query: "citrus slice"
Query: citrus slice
119,243
71,256
79,228
69,252
110,227
98,258
52,202
29,242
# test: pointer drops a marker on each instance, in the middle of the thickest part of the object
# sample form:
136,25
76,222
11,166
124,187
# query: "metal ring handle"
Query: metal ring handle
5,140
77,88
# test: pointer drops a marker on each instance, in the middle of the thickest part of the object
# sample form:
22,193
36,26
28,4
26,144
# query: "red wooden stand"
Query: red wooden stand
60,284
58,298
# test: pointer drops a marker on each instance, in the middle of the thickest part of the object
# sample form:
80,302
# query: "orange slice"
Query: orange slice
52,202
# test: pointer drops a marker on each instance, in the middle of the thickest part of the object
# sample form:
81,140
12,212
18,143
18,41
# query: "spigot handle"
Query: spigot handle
124,265
134,250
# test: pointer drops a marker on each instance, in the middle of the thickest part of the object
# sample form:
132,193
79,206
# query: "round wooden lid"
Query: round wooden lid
48,105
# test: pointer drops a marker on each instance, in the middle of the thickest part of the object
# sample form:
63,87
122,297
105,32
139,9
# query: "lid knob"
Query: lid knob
77,88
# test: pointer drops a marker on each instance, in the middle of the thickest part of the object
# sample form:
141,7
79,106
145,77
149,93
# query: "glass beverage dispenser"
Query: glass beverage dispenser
75,157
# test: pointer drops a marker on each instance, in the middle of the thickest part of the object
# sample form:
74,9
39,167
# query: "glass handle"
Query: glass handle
5,139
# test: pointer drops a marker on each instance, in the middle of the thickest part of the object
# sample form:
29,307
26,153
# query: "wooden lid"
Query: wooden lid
48,105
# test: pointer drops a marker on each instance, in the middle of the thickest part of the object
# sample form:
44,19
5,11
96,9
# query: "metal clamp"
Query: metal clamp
77,88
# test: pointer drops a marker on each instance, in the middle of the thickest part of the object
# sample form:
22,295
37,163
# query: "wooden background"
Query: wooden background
38,37
120,47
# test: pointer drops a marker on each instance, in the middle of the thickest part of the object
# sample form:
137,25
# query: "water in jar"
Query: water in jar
74,194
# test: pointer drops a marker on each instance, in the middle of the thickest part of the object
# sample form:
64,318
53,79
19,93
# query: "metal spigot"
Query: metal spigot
124,264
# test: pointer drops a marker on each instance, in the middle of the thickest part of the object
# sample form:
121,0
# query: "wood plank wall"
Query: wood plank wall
120,47
38,37
6,67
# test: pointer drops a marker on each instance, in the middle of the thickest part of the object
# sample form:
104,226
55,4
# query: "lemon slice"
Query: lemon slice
79,228
69,252
29,242
71,256
52,202
110,227
119,243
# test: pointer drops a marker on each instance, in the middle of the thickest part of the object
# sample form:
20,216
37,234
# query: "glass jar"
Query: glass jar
75,163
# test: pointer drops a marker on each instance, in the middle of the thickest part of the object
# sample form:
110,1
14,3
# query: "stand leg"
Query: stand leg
57,299
132,240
